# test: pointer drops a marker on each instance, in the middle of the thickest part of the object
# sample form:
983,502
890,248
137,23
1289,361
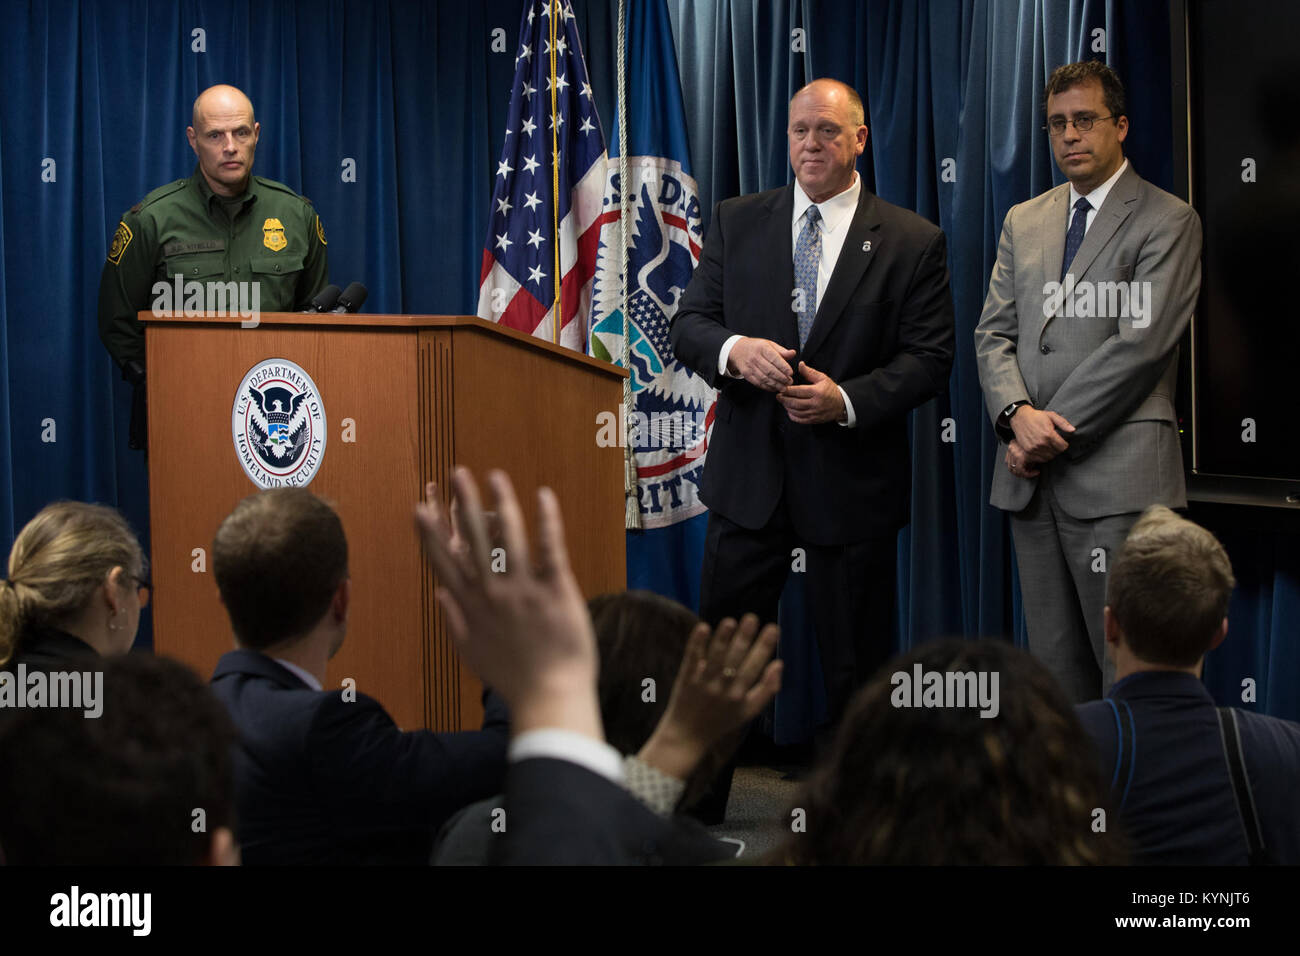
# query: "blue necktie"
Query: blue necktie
807,257
1074,238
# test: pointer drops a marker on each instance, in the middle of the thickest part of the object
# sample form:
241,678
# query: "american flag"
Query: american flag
517,284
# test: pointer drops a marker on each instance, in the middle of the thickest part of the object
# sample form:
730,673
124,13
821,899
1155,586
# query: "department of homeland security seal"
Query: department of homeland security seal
278,425
674,406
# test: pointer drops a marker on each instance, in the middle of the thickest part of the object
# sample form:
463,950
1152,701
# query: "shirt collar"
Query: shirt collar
832,210
1098,195
1160,684
201,184
306,677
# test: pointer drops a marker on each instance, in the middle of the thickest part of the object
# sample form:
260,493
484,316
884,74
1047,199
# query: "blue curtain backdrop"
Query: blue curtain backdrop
415,94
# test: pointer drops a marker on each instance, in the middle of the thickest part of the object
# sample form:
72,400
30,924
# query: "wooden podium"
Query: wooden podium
404,398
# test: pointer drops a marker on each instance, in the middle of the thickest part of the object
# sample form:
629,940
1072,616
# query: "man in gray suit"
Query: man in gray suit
1077,345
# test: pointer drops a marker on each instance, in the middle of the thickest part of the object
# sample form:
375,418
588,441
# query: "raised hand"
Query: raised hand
726,678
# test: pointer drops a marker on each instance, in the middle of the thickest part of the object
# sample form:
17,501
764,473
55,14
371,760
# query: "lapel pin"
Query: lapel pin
866,246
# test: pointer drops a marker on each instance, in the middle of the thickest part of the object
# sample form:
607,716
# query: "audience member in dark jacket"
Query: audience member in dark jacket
1167,604
75,589
325,776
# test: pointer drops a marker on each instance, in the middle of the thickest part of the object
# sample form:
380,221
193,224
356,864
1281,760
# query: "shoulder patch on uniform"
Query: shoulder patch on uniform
320,232
121,239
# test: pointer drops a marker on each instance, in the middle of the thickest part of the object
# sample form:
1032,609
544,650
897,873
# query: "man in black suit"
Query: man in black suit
1166,751
823,315
325,776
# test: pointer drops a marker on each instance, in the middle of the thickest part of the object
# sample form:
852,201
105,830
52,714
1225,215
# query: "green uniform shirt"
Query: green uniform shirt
274,239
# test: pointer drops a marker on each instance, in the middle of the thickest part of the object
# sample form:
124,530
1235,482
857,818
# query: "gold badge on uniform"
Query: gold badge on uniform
320,232
273,235
121,239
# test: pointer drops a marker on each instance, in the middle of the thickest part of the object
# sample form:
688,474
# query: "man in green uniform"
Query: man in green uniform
221,225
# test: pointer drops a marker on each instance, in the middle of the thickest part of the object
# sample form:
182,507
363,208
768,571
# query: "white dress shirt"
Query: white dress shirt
836,216
596,755
307,677
1096,197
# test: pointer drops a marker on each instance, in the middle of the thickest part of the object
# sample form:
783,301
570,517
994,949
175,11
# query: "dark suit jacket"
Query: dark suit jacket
470,838
322,780
560,813
883,332
1179,808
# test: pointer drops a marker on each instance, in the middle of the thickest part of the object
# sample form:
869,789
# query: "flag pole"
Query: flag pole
557,309
631,491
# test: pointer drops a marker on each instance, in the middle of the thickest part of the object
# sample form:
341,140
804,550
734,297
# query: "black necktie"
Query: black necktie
1074,238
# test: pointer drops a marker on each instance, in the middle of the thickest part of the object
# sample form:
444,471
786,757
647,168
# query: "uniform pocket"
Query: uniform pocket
277,277
196,265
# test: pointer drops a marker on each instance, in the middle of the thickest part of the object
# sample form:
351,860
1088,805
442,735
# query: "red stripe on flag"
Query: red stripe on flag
680,223
653,471
582,270
524,312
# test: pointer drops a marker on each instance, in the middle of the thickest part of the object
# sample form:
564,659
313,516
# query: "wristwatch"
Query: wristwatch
1010,410
1003,425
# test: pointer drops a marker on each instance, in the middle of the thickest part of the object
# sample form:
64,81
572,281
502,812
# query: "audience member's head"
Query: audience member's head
148,781
76,568
640,635
944,785
281,564
1167,594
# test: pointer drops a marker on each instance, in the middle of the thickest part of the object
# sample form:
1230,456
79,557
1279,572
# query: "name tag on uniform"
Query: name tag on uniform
204,245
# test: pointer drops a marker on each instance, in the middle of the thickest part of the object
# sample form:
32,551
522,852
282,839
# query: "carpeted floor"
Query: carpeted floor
758,812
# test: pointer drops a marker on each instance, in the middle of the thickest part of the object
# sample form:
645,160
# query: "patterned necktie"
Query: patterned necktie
1074,238
807,257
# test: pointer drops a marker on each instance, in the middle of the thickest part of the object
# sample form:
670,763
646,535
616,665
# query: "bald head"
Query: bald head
220,100
224,138
835,91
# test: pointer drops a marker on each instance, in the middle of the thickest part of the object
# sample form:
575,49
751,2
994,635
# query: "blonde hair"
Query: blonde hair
1169,588
57,562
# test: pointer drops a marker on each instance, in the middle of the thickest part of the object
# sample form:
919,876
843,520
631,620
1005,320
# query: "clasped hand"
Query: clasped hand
1038,440
766,365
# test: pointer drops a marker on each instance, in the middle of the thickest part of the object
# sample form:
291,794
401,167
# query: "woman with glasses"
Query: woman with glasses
77,581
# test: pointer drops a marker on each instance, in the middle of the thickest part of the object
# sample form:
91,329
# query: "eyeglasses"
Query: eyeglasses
1056,125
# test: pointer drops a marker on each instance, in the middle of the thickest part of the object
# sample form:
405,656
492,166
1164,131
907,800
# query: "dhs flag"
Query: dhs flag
540,252
673,408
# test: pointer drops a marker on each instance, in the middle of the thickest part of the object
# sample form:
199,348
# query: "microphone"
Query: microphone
324,300
352,298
